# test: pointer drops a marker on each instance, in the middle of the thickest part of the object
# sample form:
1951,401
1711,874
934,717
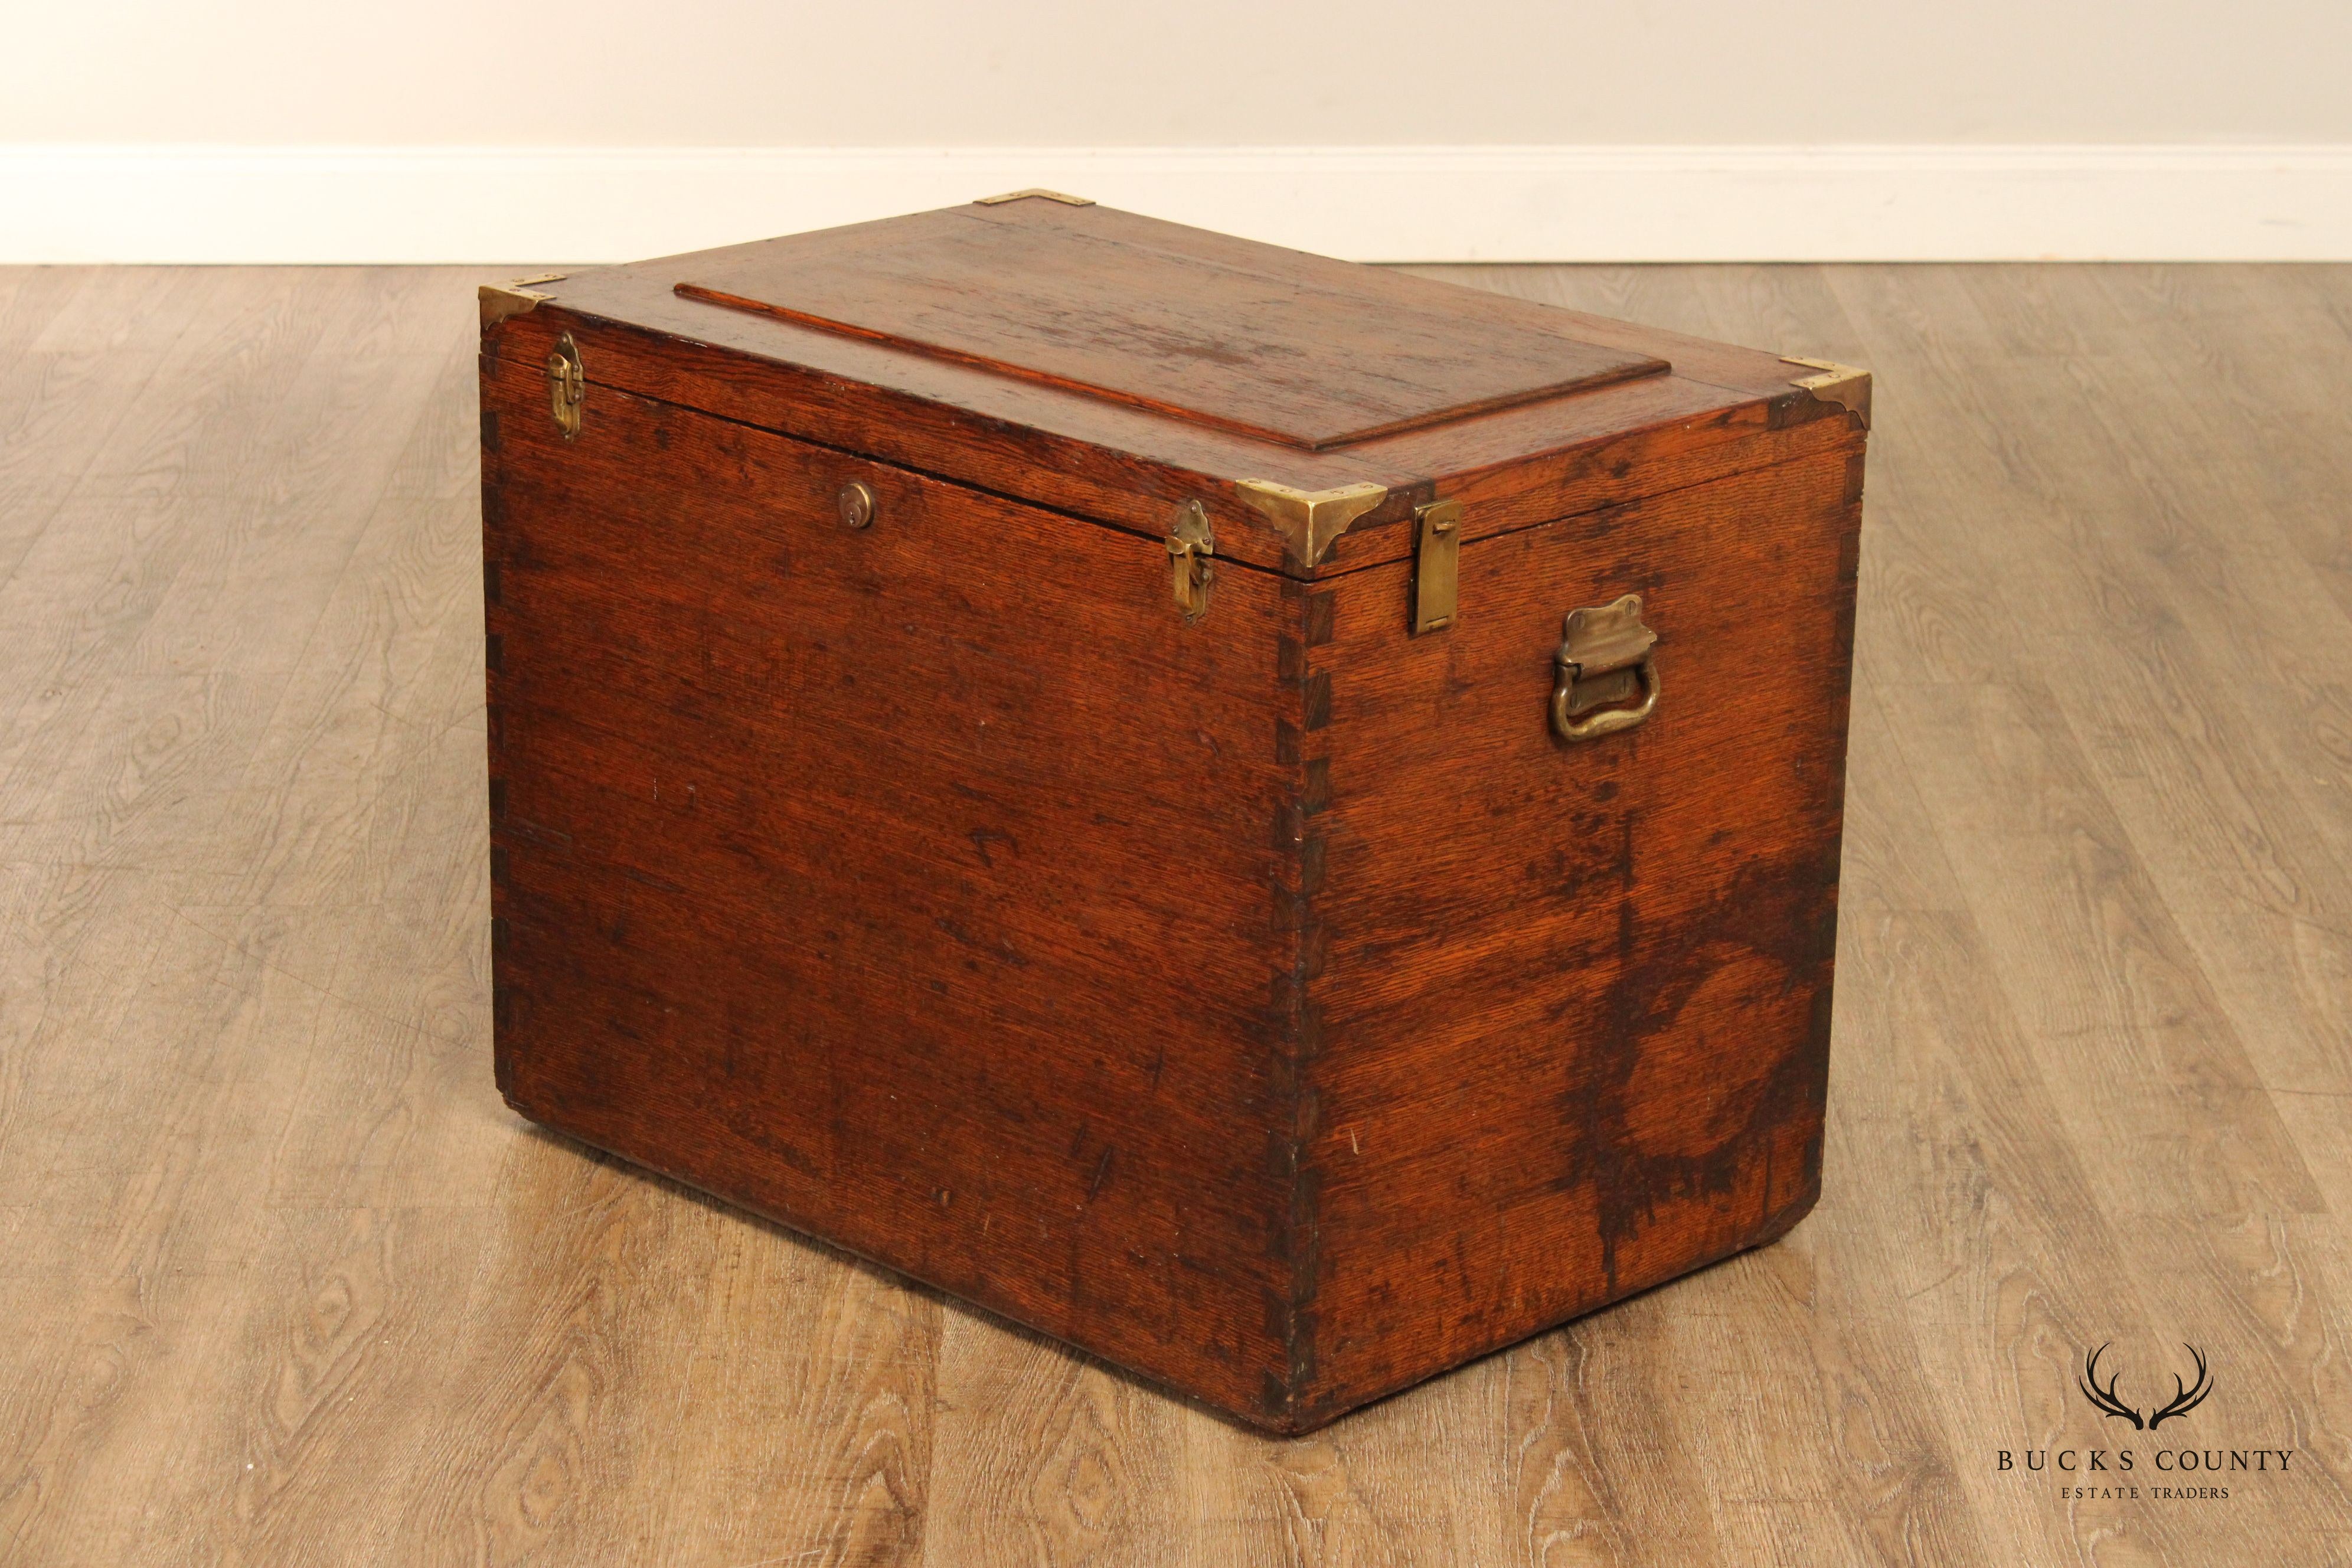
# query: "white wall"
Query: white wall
268,129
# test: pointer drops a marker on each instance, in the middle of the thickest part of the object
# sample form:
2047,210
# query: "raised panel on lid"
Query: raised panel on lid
1242,337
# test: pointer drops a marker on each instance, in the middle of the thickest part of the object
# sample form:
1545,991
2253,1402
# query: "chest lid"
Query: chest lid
1117,368
1311,354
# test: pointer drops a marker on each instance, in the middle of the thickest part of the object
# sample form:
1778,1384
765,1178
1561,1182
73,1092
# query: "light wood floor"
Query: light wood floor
281,1280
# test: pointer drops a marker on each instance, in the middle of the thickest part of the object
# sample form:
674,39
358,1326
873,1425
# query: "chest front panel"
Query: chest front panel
910,883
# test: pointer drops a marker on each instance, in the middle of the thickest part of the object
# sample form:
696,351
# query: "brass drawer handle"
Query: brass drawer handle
1605,654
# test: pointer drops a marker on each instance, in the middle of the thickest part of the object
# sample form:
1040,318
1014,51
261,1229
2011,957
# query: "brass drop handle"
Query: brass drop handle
1605,655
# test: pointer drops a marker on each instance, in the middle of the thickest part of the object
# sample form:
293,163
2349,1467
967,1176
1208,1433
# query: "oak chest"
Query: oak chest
1275,820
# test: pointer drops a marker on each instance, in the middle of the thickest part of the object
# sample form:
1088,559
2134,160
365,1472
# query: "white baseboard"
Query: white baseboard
490,204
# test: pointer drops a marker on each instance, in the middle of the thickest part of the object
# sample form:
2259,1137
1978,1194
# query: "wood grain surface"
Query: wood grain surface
285,1283
1269,342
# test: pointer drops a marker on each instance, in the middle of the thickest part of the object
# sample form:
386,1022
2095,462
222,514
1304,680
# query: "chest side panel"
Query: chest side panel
908,883
1575,1007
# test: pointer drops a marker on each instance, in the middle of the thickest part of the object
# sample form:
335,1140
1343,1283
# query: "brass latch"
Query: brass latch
1604,657
1191,543
1437,568
567,385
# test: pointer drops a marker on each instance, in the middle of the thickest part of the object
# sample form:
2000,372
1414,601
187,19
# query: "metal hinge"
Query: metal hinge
1437,565
567,385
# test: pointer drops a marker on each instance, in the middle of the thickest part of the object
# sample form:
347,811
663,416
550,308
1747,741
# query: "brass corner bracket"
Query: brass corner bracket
1061,197
501,301
1310,520
1846,385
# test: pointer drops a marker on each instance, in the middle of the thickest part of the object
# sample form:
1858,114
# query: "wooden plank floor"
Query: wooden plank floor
281,1280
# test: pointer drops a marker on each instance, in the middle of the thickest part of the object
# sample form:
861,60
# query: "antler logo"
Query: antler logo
2108,1401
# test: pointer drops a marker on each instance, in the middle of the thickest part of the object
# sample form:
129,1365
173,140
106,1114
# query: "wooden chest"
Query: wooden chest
1273,820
